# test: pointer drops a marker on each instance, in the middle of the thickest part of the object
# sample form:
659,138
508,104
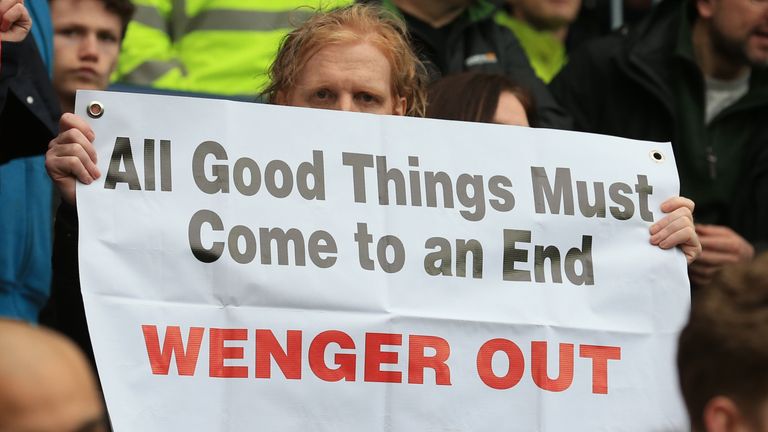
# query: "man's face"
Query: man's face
739,29
547,14
352,76
425,4
86,45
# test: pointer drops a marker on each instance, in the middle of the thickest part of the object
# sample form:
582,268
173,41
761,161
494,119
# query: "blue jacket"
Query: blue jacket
42,30
29,112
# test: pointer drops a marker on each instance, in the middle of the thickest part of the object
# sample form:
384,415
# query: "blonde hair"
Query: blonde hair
357,22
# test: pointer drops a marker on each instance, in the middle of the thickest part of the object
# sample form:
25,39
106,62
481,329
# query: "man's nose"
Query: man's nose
89,47
346,103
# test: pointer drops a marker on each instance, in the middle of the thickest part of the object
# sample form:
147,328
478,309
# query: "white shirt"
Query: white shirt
722,94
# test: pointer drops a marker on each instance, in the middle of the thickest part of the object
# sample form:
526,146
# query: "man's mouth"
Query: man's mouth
761,33
86,72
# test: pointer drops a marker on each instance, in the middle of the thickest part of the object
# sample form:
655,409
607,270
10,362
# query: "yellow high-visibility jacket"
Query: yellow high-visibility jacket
222,47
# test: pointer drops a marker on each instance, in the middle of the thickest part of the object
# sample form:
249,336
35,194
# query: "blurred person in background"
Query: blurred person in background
693,73
550,29
479,97
86,42
45,383
542,27
453,36
722,353
207,46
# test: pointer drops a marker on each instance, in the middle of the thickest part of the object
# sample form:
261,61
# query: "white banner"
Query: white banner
254,267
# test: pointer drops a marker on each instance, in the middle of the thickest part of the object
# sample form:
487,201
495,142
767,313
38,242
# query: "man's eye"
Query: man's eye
68,32
367,97
107,37
323,94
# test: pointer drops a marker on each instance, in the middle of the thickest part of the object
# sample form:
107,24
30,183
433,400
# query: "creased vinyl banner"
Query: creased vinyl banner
254,267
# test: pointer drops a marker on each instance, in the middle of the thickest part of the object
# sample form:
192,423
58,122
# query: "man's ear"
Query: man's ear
400,106
705,8
721,414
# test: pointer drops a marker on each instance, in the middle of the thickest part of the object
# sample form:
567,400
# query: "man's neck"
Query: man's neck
713,62
559,33
435,13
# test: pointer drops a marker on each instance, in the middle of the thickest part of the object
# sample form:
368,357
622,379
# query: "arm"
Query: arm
15,24
28,105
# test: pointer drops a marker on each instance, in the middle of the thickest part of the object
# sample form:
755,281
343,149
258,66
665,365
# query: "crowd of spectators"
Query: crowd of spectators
693,72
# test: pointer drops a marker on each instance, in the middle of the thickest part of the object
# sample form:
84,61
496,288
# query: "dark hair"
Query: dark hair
723,350
473,96
123,9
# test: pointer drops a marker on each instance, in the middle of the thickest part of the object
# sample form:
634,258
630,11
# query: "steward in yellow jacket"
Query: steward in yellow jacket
221,47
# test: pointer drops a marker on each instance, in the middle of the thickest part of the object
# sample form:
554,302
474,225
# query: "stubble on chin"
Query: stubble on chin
735,51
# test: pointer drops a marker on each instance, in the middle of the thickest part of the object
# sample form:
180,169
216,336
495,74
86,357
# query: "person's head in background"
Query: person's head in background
356,58
480,97
46,385
86,43
723,352
554,16
730,36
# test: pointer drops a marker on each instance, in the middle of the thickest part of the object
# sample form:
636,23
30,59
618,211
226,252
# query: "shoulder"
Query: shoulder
602,53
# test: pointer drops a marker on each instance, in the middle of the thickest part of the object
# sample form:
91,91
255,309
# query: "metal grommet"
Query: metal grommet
657,156
30,100
95,109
